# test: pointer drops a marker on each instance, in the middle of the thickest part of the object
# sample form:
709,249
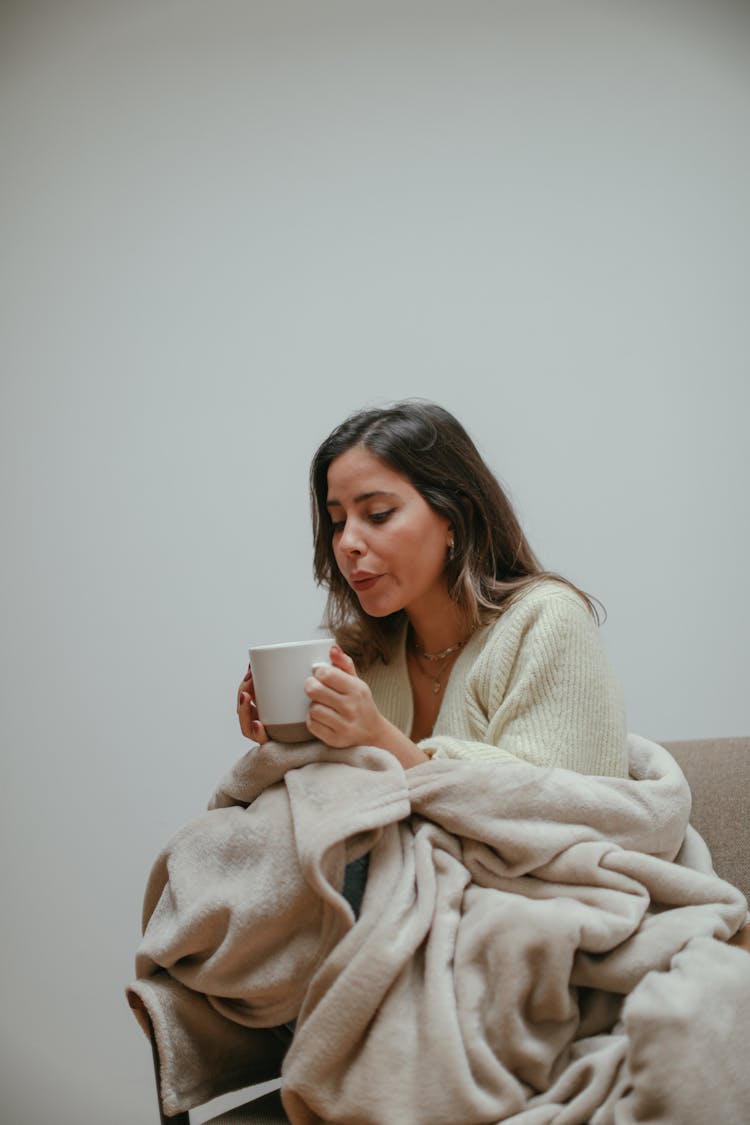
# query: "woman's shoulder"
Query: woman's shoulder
548,599
548,616
548,635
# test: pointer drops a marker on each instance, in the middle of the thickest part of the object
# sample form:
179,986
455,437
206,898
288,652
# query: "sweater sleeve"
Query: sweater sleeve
542,692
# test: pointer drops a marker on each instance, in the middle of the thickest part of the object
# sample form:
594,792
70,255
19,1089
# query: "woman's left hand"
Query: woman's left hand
342,711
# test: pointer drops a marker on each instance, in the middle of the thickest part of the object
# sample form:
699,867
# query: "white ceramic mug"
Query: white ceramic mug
279,673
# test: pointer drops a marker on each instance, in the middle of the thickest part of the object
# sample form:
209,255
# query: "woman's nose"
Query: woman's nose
351,540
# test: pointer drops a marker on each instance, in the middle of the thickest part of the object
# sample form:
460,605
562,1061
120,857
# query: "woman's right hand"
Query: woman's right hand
247,711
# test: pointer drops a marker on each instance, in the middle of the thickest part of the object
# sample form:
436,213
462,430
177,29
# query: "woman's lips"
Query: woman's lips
365,582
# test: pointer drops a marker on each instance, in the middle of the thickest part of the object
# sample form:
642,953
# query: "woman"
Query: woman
452,640
524,935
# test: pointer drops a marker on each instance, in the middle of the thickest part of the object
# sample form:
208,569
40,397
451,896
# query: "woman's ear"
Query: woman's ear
451,541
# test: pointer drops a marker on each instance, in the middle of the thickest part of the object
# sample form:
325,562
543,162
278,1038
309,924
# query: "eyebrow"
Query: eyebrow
362,496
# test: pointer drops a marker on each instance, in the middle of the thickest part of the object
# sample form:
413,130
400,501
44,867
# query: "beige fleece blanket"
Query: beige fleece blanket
534,946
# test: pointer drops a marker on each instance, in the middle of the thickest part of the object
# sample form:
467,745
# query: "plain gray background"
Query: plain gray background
224,226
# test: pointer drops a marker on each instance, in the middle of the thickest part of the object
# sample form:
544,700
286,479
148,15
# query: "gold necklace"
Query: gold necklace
435,679
444,658
440,656
446,651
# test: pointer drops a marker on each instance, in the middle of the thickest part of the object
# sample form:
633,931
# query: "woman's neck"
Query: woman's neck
438,627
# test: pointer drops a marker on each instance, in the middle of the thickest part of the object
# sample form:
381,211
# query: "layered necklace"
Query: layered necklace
439,660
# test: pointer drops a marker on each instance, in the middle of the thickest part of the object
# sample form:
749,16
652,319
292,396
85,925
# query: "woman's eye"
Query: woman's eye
337,526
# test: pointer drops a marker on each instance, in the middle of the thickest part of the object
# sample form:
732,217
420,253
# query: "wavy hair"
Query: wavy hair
491,564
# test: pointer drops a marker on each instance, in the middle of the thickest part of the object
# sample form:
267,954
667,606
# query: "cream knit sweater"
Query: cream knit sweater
535,686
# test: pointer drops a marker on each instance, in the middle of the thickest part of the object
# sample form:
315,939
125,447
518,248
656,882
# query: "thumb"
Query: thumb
342,660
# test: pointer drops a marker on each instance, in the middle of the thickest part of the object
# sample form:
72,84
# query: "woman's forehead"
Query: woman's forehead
353,475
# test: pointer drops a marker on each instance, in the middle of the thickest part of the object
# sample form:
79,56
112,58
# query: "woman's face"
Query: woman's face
389,544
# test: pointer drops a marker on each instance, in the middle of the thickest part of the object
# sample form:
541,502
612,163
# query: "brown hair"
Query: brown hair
491,563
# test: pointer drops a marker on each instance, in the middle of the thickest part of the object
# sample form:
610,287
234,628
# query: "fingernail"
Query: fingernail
337,649
255,727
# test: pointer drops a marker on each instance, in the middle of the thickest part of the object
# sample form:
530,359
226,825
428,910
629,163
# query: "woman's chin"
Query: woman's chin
378,607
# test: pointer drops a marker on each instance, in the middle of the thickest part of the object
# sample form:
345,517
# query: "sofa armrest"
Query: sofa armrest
718,772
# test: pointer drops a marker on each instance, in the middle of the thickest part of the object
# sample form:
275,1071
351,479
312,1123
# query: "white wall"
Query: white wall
227,224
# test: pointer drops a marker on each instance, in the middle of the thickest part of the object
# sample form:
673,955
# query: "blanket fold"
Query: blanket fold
509,912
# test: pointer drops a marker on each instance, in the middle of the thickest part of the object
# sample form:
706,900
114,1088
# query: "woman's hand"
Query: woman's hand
343,713
247,710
